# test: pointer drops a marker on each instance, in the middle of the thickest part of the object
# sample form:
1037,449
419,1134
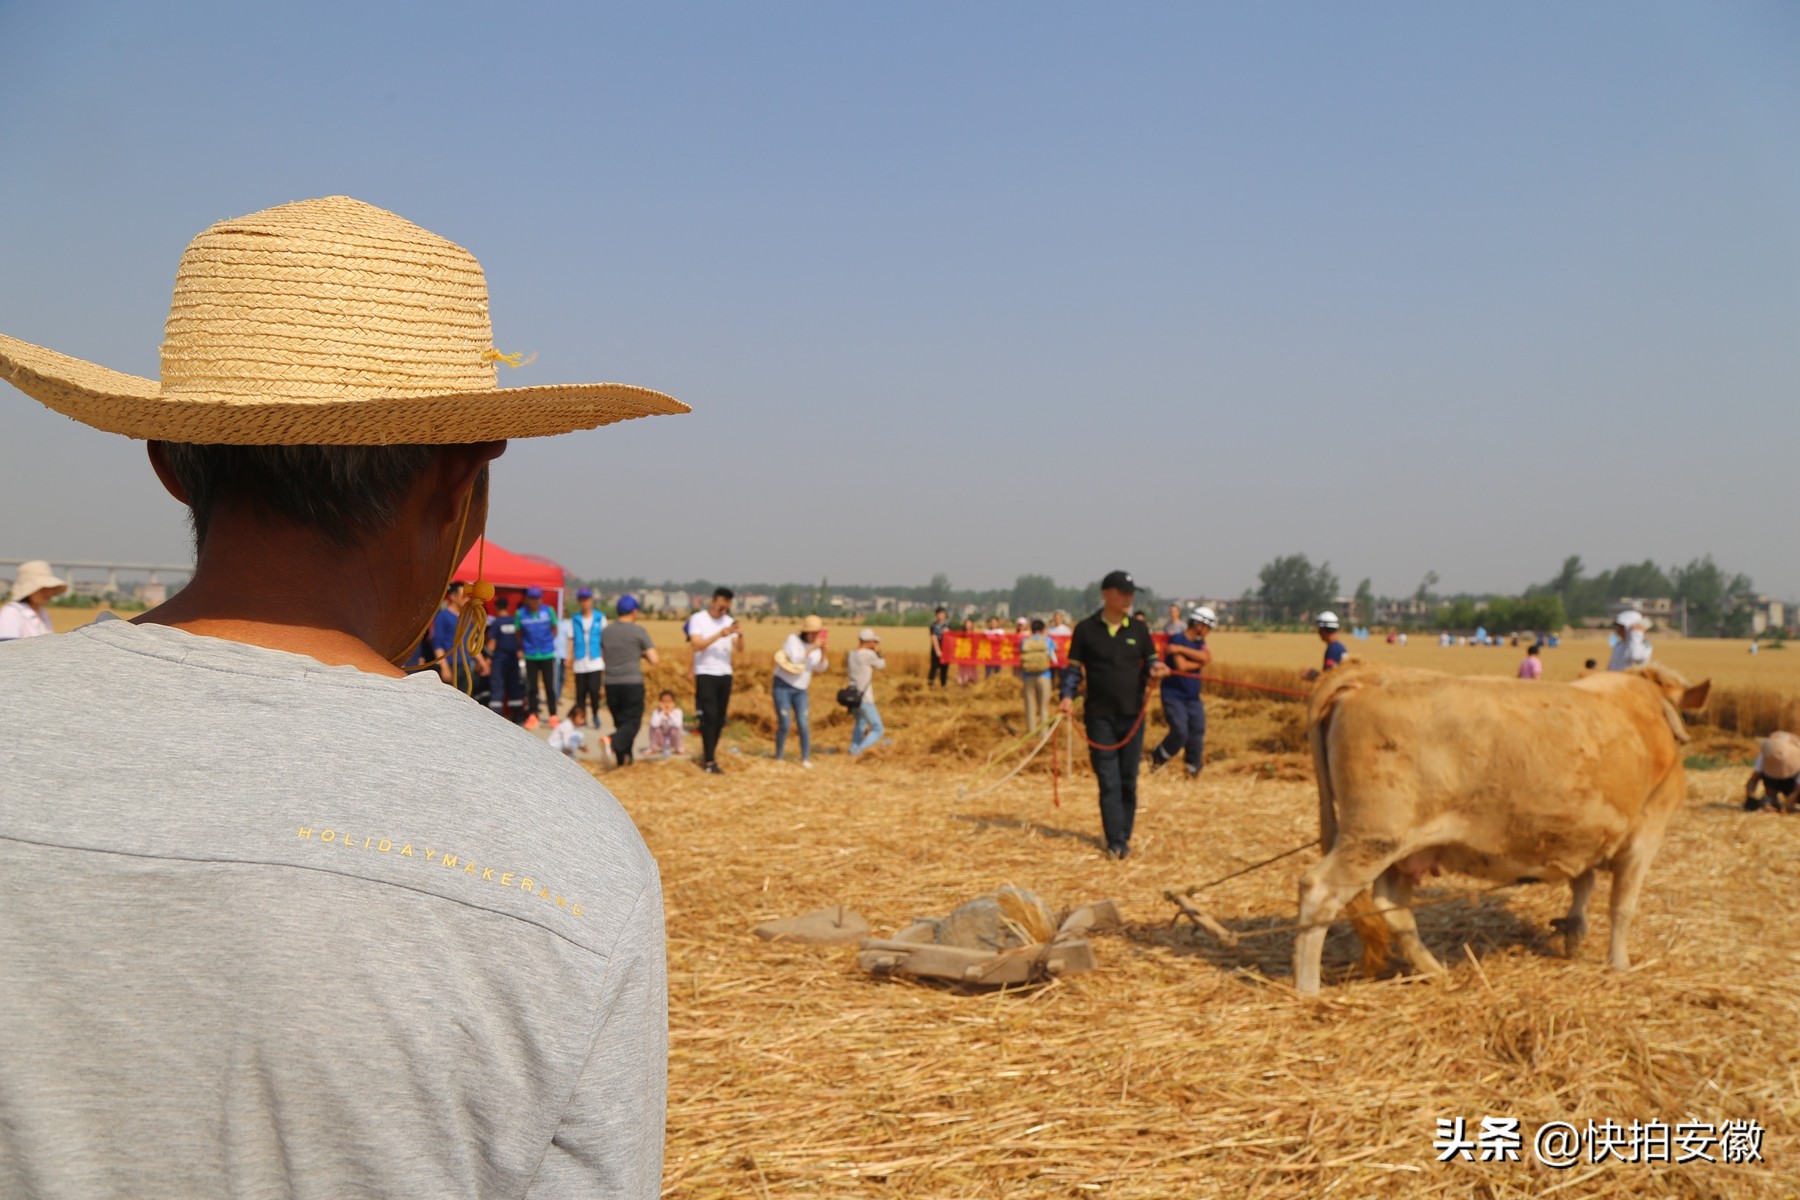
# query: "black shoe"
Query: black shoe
711,768
1193,772
1118,851
1158,758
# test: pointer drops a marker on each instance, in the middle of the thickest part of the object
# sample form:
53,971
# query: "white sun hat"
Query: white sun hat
36,575
323,322
1629,617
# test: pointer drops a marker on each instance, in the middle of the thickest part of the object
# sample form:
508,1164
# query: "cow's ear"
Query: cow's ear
1695,697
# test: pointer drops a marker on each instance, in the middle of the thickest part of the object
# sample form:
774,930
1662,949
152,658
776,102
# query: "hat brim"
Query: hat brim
138,408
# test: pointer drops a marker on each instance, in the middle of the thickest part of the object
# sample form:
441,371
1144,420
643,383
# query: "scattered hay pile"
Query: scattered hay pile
1179,1068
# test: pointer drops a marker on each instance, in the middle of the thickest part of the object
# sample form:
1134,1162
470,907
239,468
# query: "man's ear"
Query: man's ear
460,467
159,462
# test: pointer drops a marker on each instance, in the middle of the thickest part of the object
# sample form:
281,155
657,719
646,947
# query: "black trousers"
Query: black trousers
536,669
587,695
1117,773
625,701
712,697
939,673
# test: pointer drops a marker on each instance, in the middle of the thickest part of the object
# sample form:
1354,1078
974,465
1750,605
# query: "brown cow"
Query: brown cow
1501,779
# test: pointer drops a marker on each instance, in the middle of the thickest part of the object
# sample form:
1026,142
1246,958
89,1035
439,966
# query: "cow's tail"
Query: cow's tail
1365,918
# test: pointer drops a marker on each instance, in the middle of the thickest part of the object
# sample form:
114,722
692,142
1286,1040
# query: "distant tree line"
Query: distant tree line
1701,589
1291,588
1028,594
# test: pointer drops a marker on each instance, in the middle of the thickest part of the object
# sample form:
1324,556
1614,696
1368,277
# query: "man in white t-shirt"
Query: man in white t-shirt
715,636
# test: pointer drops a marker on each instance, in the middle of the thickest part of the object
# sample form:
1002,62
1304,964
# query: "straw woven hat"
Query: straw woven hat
33,576
323,322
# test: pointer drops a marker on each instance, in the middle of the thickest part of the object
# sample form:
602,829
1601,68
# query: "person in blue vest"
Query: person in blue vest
586,665
506,671
537,641
1186,655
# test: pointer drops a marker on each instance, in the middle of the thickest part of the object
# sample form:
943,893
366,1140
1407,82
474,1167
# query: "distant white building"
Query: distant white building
1765,614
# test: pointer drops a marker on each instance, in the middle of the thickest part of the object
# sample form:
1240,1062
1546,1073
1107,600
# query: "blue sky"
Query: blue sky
992,289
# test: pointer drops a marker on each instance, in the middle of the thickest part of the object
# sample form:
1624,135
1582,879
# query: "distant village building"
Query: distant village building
1657,610
1765,614
1409,611
1241,611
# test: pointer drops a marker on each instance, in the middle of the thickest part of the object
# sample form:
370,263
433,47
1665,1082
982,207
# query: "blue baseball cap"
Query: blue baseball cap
627,604
534,593
584,594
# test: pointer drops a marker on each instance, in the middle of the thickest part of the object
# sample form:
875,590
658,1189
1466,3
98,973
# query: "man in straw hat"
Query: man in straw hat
397,947
23,615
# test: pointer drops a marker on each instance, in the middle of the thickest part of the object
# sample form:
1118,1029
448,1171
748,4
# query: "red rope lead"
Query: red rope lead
1144,709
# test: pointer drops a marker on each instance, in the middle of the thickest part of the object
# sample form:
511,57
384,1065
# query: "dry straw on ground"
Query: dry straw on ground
1179,1068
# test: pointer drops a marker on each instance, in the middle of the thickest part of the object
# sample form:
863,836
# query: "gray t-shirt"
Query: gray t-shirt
863,663
269,927
622,645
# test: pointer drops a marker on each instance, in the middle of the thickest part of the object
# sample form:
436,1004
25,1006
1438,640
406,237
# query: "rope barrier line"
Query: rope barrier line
1144,709
1009,748
1049,729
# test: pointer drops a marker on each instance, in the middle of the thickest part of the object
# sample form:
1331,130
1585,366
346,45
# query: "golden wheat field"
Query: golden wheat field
1180,1068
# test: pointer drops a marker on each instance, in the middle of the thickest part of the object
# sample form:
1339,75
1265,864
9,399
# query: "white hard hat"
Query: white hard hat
1629,617
1326,620
1203,616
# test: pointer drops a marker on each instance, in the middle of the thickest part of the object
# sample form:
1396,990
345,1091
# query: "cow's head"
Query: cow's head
1678,695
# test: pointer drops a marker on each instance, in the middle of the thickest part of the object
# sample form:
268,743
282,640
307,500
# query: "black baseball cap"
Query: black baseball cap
1118,581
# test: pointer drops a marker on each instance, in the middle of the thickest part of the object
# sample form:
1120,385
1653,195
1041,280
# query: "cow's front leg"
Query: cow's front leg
1392,893
1574,926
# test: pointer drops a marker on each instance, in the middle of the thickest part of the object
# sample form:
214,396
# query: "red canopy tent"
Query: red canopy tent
510,571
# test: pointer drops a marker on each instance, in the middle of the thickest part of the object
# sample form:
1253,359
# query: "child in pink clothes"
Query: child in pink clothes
665,726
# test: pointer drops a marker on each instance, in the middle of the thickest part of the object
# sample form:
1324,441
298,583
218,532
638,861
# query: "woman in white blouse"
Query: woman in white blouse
23,615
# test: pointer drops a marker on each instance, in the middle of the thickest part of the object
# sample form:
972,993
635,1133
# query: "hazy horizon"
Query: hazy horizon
1024,288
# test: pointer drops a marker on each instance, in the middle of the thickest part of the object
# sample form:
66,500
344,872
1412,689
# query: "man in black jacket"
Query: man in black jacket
1114,650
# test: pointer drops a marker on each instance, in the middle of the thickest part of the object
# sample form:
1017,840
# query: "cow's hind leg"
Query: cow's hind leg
1574,926
1392,893
1324,890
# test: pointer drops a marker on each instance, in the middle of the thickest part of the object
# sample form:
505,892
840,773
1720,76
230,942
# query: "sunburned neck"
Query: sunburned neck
297,593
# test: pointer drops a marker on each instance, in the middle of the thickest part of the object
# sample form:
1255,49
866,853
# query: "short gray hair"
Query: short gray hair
344,493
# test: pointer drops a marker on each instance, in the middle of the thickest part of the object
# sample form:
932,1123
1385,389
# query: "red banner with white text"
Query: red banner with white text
982,649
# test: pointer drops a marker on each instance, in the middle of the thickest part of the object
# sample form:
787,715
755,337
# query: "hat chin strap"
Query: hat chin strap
471,623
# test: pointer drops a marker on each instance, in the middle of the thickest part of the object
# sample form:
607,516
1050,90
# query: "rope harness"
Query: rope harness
1047,728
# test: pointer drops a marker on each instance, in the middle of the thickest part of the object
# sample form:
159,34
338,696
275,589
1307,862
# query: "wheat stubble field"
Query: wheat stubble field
1180,1068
